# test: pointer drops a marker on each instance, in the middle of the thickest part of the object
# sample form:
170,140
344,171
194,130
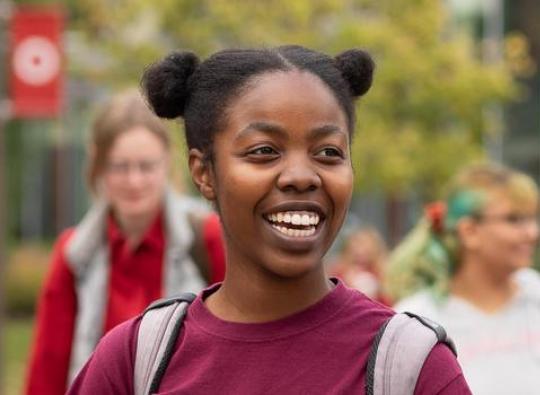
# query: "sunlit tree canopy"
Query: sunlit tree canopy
424,116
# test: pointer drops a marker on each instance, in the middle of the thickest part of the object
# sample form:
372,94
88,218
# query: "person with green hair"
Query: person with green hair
467,266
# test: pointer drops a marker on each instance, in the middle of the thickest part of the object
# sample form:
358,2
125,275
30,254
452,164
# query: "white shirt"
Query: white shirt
500,352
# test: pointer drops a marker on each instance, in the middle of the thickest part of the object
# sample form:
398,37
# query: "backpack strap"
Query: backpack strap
160,324
399,351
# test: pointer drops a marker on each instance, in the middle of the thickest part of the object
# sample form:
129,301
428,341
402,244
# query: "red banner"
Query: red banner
36,62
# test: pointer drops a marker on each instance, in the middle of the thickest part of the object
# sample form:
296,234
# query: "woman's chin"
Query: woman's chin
136,209
294,268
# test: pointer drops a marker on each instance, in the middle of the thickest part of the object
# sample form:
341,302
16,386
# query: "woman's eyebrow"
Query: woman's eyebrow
325,130
264,127
273,129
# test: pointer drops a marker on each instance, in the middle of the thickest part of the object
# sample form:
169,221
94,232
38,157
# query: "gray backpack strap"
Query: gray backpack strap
157,335
399,352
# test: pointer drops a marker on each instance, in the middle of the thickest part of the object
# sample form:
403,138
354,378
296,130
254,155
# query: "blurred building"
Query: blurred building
521,143
489,21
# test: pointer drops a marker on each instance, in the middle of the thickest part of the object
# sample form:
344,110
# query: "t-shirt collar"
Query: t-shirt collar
320,312
153,238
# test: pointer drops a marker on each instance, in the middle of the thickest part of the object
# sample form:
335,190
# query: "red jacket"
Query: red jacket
57,306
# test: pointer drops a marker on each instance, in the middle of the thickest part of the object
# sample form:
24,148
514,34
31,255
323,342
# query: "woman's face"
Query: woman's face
135,175
505,235
282,175
363,250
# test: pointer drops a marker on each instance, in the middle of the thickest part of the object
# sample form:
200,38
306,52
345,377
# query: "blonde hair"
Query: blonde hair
429,255
121,113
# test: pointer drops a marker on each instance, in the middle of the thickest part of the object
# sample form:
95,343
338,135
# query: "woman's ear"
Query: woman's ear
467,232
202,174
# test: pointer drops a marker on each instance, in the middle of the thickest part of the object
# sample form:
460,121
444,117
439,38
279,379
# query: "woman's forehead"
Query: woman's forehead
509,200
277,81
293,91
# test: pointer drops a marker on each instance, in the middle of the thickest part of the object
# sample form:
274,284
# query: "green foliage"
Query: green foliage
16,340
424,117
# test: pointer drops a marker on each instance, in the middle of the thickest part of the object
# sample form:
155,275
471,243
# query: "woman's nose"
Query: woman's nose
134,175
298,174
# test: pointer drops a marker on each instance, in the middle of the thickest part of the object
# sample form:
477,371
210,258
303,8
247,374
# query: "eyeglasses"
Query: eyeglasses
144,167
513,219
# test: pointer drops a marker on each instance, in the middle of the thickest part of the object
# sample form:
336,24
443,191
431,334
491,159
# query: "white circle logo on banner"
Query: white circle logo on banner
36,60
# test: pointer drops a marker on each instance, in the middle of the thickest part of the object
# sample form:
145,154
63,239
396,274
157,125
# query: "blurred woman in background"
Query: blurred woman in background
360,263
138,242
467,266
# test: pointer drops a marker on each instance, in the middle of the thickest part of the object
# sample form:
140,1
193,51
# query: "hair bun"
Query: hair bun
356,67
165,83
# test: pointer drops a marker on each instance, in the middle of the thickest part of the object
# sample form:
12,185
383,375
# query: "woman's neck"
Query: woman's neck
482,286
135,227
261,298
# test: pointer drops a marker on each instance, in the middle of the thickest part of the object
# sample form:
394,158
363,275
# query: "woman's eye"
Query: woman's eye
330,152
264,152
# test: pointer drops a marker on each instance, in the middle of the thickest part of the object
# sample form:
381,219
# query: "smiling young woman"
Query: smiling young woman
269,135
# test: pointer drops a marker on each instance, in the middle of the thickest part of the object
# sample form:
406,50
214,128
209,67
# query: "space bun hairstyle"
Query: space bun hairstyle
165,83
356,67
201,92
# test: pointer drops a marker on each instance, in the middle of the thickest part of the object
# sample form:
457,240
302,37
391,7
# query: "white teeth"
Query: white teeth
304,218
295,232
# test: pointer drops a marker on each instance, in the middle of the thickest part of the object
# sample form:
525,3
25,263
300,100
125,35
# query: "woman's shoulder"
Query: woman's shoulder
528,281
439,359
64,237
364,312
121,338
441,374
59,257
110,368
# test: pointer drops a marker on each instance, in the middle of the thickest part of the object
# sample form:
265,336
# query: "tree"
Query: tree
423,118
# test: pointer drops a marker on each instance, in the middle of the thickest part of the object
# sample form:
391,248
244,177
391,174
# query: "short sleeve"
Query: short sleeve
441,374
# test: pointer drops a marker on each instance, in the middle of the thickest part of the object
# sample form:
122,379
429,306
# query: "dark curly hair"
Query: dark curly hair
200,92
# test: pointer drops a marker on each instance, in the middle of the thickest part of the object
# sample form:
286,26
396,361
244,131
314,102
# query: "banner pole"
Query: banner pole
6,8
3,244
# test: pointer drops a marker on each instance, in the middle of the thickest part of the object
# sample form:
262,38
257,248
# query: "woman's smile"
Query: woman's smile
295,225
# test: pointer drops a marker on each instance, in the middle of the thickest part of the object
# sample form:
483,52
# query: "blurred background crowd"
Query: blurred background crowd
457,83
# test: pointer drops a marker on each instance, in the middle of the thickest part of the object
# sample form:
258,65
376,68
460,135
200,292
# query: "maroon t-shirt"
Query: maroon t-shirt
320,350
